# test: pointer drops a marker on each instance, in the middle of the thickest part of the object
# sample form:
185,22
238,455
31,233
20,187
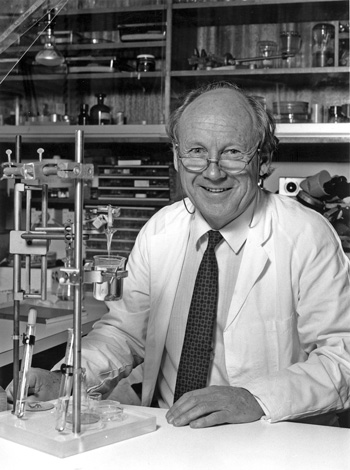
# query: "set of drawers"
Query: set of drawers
139,190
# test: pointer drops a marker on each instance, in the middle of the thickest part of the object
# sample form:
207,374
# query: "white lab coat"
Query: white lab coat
287,337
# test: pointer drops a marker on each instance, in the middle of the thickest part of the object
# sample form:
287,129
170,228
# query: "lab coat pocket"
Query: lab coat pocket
256,347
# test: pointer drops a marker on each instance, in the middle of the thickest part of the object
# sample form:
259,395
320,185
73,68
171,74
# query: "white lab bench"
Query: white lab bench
253,446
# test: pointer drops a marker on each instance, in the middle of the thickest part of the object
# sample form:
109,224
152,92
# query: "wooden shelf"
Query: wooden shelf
109,18
87,75
66,49
259,12
287,133
65,133
261,71
309,76
314,133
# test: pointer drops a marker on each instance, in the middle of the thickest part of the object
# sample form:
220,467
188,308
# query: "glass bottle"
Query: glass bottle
100,113
84,117
323,45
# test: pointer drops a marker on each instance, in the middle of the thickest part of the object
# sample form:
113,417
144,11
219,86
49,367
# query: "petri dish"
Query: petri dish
110,410
36,406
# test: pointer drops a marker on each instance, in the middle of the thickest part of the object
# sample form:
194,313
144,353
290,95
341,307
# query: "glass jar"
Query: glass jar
146,63
335,114
100,113
266,49
344,45
290,43
323,45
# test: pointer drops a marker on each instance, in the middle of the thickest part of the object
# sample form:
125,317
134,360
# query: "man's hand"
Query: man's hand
214,405
43,385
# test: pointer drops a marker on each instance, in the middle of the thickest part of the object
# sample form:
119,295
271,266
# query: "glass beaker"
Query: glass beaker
323,45
112,289
266,49
290,44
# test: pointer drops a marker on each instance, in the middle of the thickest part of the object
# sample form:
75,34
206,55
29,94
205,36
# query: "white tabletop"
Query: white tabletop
51,335
253,446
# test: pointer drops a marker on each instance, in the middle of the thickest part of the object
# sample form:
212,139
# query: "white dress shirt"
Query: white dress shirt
229,255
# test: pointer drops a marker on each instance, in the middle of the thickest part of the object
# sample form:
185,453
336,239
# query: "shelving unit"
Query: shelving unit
218,27
147,98
236,27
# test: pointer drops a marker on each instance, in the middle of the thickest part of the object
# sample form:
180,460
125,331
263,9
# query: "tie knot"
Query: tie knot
215,237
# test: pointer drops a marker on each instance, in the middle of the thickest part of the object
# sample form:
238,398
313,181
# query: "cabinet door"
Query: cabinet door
100,43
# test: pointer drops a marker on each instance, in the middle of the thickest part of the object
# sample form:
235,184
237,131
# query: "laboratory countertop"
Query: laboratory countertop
48,335
252,446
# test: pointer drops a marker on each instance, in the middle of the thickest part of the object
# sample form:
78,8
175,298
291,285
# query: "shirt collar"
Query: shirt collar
235,233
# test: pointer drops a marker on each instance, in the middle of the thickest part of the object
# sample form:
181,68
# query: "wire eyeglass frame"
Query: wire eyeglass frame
207,161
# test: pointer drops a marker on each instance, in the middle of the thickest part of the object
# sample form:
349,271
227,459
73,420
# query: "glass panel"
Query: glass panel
21,24
114,48
292,54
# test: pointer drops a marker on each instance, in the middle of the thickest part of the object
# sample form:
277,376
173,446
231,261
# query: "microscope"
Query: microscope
330,197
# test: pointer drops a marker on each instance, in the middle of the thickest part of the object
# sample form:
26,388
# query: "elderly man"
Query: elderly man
266,333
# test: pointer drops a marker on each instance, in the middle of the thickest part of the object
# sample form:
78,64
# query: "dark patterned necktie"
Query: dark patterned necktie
197,347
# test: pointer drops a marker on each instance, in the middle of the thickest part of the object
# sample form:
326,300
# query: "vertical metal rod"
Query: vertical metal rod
169,35
44,217
28,273
16,279
78,258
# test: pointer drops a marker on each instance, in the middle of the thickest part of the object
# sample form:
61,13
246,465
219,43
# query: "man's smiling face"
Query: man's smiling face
218,121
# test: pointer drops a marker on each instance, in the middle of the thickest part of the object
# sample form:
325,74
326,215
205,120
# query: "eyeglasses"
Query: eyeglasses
231,161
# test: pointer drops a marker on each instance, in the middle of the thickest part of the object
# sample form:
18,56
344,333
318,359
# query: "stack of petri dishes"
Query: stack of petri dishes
291,111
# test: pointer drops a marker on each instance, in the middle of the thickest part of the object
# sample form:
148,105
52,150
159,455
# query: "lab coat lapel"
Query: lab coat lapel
254,260
165,272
